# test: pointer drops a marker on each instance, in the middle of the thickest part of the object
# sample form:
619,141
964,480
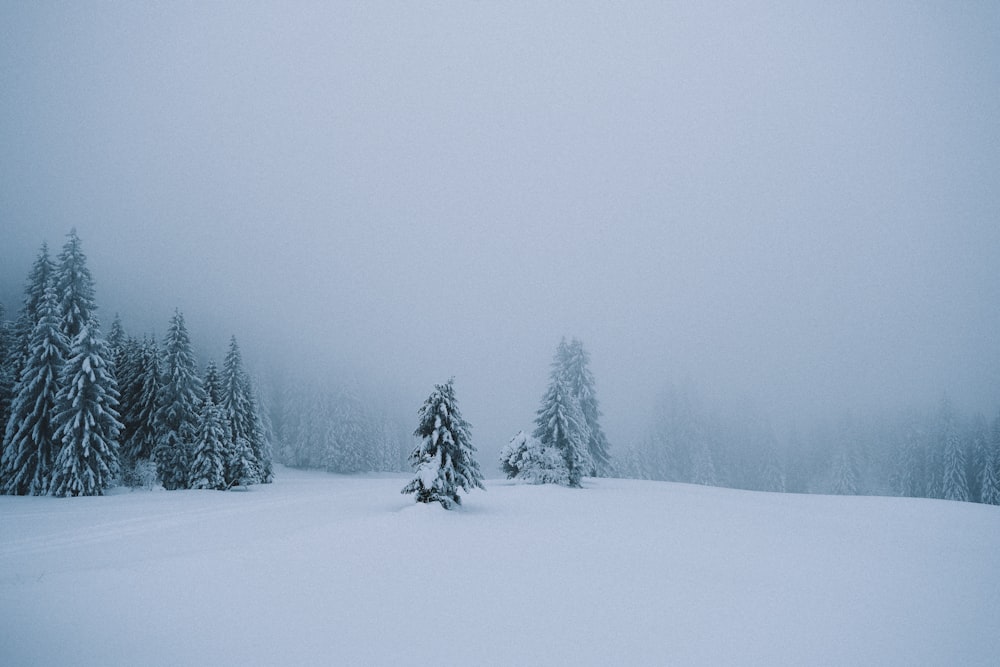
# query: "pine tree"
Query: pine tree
845,473
41,277
244,466
444,461
210,449
179,397
560,424
87,418
990,480
141,435
574,364
954,485
116,342
30,444
8,368
74,287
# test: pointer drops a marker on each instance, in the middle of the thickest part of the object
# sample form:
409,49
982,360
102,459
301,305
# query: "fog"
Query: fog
792,204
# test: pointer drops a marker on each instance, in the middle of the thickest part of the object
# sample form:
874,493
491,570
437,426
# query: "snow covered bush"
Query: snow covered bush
525,458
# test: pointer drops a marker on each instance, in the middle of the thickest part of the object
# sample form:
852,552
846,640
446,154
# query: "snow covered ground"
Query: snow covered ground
322,569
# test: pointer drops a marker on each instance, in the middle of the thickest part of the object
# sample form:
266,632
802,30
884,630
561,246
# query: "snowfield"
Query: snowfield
319,569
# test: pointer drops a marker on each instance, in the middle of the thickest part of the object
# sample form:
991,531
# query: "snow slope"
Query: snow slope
322,569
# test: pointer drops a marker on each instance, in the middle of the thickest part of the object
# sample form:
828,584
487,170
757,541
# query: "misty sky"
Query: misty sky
793,202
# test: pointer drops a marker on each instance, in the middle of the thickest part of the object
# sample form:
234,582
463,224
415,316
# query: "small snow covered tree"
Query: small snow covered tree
445,458
74,287
8,370
574,364
845,472
30,443
179,397
560,424
526,459
954,485
87,419
990,479
210,449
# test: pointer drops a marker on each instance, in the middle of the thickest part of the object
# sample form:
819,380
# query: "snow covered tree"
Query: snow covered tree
990,479
41,277
140,436
179,397
86,418
954,485
74,287
445,458
211,446
845,472
574,364
246,432
8,370
560,424
526,459
30,443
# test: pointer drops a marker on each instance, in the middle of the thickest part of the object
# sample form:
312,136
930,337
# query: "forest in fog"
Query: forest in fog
151,414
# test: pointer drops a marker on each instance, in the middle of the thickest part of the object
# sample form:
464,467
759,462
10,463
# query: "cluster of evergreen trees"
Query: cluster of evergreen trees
334,429
927,453
568,442
82,413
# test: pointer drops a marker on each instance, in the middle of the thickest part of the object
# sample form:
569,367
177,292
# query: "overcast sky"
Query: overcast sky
794,202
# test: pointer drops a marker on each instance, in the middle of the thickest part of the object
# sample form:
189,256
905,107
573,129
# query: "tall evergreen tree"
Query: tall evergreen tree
87,418
210,449
141,434
954,485
560,424
990,480
8,370
30,444
574,362
239,410
75,288
41,277
179,397
445,458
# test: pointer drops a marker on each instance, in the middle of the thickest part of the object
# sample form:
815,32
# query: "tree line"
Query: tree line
82,412
925,452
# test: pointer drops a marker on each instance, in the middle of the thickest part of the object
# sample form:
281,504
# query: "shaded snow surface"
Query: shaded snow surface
322,569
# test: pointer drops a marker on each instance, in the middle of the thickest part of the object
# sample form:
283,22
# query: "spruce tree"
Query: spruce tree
526,459
560,424
74,287
141,434
42,275
444,460
954,484
87,418
990,480
179,397
8,369
574,364
242,467
30,443
210,448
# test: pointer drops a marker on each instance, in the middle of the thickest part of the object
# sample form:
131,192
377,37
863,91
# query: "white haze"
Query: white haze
792,202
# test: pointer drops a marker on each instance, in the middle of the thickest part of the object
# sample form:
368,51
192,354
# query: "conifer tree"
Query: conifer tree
210,449
574,364
243,466
444,460
42,275
30,444
526,459
179,396
954,485
845,473
990,480
560,424
8,368
74,287
116,342
141,435
87,418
